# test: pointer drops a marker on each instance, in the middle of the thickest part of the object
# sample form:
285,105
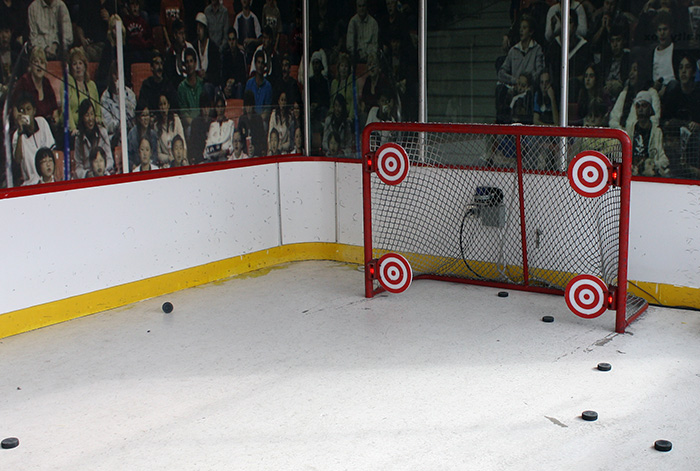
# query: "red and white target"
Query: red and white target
395,273
586,296
589,173
392,163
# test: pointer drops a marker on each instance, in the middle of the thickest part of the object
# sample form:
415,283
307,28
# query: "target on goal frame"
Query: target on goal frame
587,296
590,173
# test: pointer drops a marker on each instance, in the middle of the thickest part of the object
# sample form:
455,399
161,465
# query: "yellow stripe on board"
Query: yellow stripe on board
35,317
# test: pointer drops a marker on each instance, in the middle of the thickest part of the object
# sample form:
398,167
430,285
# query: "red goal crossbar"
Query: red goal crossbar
534,208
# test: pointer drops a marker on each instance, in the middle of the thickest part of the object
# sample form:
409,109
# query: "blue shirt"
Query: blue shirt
263,94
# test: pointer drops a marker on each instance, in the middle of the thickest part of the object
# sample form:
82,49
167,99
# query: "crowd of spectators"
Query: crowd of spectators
225,80
633,65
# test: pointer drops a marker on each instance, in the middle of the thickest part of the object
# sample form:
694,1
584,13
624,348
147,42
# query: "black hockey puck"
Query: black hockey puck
167,307
604,366
12,442
663,445
589,415
503,294
547,318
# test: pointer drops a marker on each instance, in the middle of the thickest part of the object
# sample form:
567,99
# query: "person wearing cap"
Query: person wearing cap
648,156
208,54
217,22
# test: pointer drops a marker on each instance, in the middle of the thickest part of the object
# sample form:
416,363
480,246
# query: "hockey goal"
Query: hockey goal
534,208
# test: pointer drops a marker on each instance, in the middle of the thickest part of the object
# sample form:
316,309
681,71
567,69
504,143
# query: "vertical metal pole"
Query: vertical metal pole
564,108
422,69
305,58
122,98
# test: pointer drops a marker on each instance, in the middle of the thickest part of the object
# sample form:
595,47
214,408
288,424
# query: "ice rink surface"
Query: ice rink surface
291,368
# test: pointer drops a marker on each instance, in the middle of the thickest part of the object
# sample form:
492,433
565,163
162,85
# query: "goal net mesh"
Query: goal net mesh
469,210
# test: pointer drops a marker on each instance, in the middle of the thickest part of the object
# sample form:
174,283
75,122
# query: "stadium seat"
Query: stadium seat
234,109
140,71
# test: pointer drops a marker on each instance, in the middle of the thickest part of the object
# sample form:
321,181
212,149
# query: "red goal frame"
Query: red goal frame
617,297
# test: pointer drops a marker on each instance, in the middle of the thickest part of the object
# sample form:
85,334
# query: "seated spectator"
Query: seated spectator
386,110
219,143
553,21
645,31
615,62
260,87
80,88
546,104
175,69
98,162
199,130
238,147
273,65
167,126
287,83
648,156
281,121
35,83
109,55
171,11
624,114
334,145
609,20
362,36
248,28
271,17
190,90
110,105
179,152
393,25
682,104
157,84
139,37
233,67
45,164
9,52
337,122
525,57
298,141
15,12
344,85
657,61
91,26
217,22
322,22
33,133
145,153
597,116
90,134
208,54
143,128
404,75
592,90
580,56
376,82
252,127
273,141
49,23
522,101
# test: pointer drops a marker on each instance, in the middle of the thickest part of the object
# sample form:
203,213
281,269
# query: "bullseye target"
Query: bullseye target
586,296
392,163
395,273
589,174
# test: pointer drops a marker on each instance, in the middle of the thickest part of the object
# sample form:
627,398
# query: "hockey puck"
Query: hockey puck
503,294
663,445
589,415
167,307
604,366
548,319
13,442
